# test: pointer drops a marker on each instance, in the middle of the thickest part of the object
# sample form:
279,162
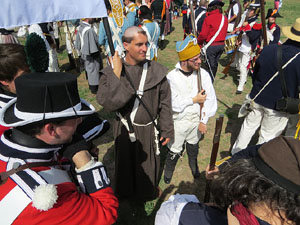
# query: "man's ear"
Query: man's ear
50,129
125,44
4,83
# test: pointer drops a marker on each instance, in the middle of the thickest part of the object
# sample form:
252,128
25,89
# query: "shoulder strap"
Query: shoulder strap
82,35
198,17
6,174
281,75
139,92
142,102
216,34
275,75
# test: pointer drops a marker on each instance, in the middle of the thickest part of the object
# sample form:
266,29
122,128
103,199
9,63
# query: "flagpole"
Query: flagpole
109,37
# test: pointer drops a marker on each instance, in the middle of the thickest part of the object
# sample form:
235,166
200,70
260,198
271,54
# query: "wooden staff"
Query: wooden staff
214,153
199,81
109,37
74,52
263,21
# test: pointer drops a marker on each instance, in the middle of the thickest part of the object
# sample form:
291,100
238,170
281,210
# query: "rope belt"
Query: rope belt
140,93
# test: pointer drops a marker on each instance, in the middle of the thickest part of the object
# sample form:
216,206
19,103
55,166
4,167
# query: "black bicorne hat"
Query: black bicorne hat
215,2
44,97
273,13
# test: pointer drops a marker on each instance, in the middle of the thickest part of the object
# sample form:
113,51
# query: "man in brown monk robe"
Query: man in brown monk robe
136,138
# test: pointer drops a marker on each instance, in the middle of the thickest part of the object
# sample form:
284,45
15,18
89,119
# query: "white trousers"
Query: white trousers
53,61
230,27
243,62
68,43
271,123
184,130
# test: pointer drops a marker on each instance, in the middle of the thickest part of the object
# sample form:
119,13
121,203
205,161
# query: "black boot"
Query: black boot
192,151
93,88
171,161
71,64
57,44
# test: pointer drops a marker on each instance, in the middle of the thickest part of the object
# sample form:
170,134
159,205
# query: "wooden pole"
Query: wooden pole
263,21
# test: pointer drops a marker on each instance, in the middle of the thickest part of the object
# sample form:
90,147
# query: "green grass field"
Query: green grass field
228,105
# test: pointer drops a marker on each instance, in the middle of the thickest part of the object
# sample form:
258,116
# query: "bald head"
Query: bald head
131,32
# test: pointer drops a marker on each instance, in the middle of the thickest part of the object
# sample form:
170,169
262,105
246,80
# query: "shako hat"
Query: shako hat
279,161
44,97
188,48
254,4
293,32
273,13
215,2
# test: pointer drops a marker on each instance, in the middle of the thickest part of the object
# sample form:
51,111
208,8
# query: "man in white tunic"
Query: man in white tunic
189,121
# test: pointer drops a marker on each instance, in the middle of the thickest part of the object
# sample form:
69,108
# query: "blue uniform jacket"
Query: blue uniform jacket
266,67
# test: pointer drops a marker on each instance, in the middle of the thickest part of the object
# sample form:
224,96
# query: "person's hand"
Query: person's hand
245,23
167,140
238,42
77,144
117,64
81,158
211,174
202,128
200,97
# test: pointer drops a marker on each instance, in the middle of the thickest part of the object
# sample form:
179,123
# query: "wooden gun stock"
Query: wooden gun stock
226,69
214,153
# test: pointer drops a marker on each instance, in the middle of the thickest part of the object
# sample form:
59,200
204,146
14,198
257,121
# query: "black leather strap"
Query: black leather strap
280,70
6,174
141,101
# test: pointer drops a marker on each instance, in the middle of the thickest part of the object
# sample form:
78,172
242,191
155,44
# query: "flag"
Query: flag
26,12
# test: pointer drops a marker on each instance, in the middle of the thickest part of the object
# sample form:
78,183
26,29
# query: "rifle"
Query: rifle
74,53
214,153
199,81
239,38
263,21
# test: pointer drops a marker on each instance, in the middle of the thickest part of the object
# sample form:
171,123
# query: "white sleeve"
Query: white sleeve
210,105
170,210
179,103
235,9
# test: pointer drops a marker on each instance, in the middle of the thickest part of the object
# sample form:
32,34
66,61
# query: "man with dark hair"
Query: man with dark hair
34,186
273,30
251,35
13,63
263,189
87,45
212,36
189,121
158,8
137,89
233,12
200,14
152,30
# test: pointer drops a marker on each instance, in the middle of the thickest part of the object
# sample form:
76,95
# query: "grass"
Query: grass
228,105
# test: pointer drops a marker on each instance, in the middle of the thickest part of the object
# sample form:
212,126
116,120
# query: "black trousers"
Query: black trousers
213,54
172,158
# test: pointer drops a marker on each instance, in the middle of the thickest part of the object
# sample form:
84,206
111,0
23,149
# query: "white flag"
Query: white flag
26,12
